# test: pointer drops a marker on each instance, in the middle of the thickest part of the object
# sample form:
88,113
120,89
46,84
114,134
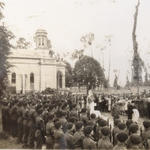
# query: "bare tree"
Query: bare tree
137,62
87,41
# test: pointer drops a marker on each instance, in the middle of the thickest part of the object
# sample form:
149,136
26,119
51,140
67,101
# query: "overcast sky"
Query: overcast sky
67,20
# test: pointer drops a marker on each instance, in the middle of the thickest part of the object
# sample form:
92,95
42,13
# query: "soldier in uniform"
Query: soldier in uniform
133,130
4,119
69,135
14,120
83,115
136,142
59,140
32,128
39,139
115,130
78,136
7,118
25,128
97,131
50,131
88,142
20,126
146,134
104,142
121,144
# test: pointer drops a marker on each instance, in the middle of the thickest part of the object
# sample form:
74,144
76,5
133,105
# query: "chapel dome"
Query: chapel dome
41,39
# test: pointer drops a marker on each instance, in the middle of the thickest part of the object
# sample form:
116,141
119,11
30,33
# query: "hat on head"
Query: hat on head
69,125
121,126
122,137
135,139
146,123
129,122
79,125
87,130
102,122
133,128
93,116
105,131
57,124
83,110
117,121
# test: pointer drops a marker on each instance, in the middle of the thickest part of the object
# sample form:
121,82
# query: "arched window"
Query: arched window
13,78
31,78
42,41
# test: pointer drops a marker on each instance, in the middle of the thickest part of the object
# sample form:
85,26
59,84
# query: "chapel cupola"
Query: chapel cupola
41,39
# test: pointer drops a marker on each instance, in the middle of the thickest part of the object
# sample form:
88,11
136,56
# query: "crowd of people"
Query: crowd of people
62,121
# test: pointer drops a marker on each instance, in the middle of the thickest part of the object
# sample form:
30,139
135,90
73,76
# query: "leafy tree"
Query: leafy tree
5,37
68,74
88,72
22,43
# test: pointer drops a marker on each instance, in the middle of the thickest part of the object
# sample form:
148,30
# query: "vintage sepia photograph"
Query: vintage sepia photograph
75,74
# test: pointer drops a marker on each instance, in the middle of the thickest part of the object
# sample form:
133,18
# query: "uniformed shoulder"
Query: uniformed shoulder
88,143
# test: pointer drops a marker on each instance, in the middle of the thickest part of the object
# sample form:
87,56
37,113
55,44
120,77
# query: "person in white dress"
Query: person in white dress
92,109
135,115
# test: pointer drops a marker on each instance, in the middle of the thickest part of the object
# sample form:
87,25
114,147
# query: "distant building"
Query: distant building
35,69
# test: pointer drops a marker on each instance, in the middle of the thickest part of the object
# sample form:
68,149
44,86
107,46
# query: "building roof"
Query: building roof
33,54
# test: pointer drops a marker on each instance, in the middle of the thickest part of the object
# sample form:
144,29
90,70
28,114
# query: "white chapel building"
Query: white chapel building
35,69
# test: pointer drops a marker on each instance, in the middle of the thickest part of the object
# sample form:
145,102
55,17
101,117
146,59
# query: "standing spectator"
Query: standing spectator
130,111
146,134
135,115
78,136
136,142
88,142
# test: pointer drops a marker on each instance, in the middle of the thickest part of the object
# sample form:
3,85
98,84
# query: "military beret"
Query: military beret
133,128
88,130
69,125
105,131
116,116
57,124
83,110
63,113
93,116
50,116
58,114
129,122
79,125
122,137
90,123
146,123
72,119
102,122
117,121
121,126
39,111
135,139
